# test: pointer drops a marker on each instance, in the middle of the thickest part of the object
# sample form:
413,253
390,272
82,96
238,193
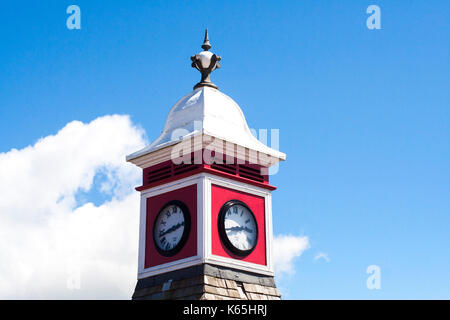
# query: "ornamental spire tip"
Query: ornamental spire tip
205,62
206,45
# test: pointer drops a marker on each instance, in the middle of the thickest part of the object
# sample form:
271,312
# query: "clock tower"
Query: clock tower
206,202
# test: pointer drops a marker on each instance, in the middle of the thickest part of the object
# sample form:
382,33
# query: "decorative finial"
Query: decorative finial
206,45
205,62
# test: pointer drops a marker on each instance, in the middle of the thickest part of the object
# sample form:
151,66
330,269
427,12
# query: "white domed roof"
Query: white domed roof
211,112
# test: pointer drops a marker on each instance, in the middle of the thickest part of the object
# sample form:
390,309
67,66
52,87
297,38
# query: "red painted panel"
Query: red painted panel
188,195
220,195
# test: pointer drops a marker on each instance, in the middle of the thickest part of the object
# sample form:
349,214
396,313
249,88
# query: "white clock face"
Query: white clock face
169,228
240,227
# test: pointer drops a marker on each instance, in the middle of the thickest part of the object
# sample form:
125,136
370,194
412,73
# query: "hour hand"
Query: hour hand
239,229
236,228
171,229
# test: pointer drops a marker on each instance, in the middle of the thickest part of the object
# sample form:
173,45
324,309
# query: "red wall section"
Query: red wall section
188,195
220,195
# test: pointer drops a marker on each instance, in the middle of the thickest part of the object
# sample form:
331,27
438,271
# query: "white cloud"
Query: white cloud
286,248
322,255
45,236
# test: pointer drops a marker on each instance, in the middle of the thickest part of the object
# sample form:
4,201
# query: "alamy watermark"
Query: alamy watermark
74,20
374,20
204,149
373,282
73,272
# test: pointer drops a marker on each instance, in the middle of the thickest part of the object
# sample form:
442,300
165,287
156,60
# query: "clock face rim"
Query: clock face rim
186,231
223,235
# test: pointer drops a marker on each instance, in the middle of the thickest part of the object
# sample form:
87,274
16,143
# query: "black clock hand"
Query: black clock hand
239,229
248,230
171,229
234,229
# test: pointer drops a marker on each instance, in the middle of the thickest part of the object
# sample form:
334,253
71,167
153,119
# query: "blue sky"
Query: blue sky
363,114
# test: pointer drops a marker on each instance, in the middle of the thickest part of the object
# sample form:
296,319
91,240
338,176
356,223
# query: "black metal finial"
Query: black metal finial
205,62
206,45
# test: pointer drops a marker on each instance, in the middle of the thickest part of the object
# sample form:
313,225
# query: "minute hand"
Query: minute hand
171,229
239,229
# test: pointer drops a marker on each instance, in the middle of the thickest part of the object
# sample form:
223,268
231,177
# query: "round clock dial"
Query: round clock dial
238,228
171,228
